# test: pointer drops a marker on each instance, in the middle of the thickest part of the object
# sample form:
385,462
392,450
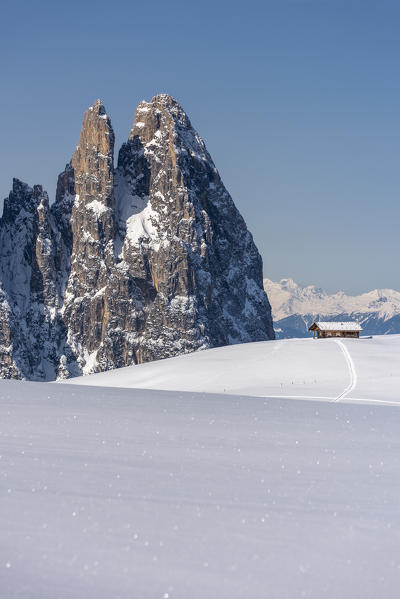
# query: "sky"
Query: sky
297,101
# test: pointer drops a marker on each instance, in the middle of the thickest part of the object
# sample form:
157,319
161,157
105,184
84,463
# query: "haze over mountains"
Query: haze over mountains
295,307
139,262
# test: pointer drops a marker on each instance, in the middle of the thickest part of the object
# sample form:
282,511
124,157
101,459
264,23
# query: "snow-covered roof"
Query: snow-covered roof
338,326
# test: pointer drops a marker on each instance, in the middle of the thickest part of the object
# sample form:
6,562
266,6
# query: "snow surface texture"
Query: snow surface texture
127,493
122,493
295,307
302,368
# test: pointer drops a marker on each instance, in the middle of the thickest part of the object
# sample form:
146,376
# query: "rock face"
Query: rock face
139,262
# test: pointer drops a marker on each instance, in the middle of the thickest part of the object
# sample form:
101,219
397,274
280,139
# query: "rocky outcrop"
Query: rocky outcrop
28,308
139,262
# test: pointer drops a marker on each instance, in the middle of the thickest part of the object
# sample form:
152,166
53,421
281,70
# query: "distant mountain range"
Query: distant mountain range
295,307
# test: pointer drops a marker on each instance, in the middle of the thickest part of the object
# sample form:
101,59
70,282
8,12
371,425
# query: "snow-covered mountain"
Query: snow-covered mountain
133,262
295,307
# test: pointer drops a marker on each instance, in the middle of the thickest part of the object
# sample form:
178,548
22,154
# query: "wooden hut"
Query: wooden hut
335,329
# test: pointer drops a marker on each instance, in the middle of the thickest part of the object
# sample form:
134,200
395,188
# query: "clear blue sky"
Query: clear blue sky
297,100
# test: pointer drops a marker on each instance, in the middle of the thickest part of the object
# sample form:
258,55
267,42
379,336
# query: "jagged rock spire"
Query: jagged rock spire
93,159
93,173
92,231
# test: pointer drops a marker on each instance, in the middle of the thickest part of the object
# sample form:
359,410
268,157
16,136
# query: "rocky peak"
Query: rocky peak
181,215
97,135
23,230
84,214
164,120
162,109
91,175
28,283
143,262
93,160
22,198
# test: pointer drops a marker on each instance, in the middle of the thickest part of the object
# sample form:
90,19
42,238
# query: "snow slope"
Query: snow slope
294,307
143,493
304,368
111,493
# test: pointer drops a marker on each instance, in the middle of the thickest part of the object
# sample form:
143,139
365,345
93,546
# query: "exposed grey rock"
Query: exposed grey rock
28,285
141,262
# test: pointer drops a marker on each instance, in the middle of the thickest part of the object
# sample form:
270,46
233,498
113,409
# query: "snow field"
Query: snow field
124,493
300,368
111,490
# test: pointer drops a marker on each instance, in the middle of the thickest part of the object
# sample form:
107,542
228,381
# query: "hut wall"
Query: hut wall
326,334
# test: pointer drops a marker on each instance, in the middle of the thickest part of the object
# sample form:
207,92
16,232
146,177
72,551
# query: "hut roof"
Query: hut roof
337,326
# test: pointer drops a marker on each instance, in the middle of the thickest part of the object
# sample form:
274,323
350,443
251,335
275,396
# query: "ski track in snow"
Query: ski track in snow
293,368
352,370
113,491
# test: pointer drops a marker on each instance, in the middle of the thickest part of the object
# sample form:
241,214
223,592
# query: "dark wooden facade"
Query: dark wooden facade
324,334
